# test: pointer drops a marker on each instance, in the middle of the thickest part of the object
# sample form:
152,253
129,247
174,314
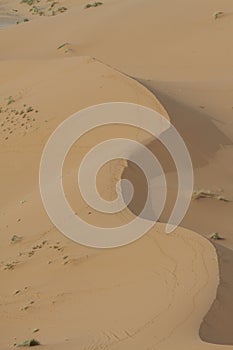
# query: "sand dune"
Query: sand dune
155,293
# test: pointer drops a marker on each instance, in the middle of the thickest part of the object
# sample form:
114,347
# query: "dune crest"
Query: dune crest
154,293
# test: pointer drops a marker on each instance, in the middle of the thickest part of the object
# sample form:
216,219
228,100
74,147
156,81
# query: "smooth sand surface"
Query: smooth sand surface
162,291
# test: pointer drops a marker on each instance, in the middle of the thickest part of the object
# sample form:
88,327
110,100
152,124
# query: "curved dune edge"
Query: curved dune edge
187,265
19,171
154,291
141,311
54,89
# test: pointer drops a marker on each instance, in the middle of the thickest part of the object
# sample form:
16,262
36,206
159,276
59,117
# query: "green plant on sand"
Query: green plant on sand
29,342
10,100
95,4
29,2
215,236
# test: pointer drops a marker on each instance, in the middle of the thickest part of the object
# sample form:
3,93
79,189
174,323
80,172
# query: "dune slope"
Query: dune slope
154,293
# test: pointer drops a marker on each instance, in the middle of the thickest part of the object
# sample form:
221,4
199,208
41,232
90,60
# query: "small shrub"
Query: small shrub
62,9
218,14
15,239
29,342
34,10
95,4
10,266
61,46
10,100
35,330
215,236
53,4
29,2
208,194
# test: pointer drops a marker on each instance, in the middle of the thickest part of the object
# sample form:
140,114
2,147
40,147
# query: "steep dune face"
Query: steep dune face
53,90
34,100
155,292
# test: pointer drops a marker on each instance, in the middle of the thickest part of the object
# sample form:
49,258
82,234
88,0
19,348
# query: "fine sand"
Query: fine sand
163,291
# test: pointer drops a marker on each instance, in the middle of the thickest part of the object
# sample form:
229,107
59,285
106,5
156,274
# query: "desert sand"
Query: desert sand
162,291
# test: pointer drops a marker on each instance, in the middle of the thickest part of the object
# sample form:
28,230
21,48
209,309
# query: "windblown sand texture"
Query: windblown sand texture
163,292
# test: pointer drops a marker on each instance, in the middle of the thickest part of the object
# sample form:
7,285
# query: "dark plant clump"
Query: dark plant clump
215,236
29,342
95,4
29,2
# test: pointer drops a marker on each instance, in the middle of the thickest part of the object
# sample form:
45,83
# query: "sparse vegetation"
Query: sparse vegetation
29,2
49,9
61,46
218,14
29,109
208,194
94,4
34,10
13,118
59,10
53,4
17,292
10,266
35,330
29,342
15,239
10,100
215,236
62,9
